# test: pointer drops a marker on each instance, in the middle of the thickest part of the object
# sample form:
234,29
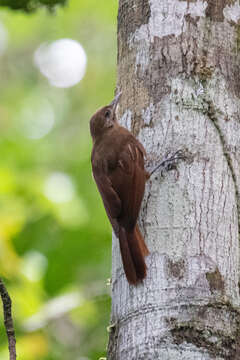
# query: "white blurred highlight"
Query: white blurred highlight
38,119
63,62
53,310
34,265
3,39
59,188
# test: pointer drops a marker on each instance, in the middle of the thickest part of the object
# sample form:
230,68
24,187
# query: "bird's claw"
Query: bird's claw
170,163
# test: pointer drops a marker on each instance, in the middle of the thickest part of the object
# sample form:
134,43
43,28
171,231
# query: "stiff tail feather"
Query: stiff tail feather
133,249
141,241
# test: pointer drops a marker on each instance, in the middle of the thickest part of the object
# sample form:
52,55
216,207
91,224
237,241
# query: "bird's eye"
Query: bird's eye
107,113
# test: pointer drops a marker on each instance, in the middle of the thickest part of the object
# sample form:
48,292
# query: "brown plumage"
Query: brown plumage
118,169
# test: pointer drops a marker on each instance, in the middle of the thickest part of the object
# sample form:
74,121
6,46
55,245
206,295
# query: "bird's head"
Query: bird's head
104,118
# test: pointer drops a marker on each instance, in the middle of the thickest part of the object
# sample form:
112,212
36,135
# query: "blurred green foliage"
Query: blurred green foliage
55,257
31,5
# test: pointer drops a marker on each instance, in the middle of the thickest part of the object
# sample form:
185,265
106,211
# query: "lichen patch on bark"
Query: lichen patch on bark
126,119
167,18
232,12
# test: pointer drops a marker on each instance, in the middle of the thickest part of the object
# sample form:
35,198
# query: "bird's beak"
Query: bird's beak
115,102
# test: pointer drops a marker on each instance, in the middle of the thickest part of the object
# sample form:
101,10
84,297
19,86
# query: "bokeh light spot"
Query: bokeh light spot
3,39
62,62
37,118
59,188
53,309
34,265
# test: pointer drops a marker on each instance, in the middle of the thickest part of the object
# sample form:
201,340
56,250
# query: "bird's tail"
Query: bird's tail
133,249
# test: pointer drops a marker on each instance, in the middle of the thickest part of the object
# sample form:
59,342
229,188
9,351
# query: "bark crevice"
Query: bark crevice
224,342
213,113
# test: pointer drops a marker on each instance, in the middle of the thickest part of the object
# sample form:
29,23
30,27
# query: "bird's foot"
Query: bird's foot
169,162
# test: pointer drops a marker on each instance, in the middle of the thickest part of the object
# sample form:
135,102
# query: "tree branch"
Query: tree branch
8,321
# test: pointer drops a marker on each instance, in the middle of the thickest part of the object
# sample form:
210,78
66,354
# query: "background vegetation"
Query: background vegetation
55,250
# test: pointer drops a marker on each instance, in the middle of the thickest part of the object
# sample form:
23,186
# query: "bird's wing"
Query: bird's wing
128,181
111,200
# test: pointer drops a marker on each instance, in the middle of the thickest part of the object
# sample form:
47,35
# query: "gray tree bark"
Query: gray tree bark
179,72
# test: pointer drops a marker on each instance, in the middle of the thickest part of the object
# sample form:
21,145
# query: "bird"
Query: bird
117,160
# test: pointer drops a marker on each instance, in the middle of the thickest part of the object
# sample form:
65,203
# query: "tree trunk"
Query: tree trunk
179,72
